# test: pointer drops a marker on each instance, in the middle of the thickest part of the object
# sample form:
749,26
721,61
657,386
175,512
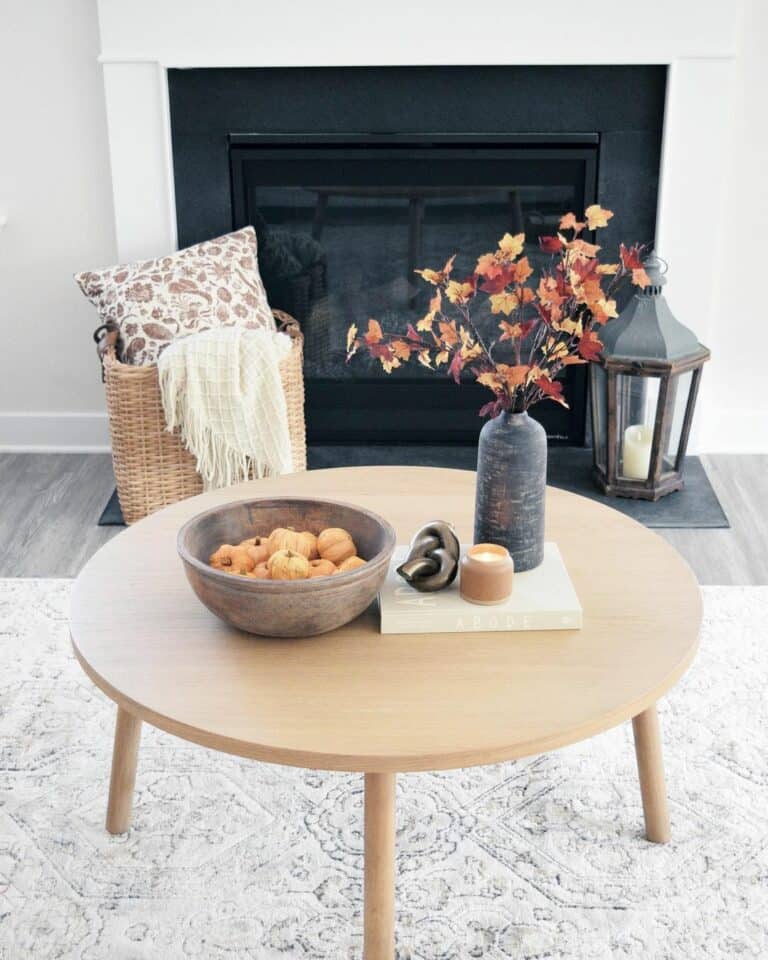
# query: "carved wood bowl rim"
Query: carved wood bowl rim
310,585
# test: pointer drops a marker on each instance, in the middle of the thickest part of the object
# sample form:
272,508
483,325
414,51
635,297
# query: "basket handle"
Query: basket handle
287,324
105,337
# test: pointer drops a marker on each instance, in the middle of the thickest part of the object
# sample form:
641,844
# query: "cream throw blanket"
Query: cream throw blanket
222,389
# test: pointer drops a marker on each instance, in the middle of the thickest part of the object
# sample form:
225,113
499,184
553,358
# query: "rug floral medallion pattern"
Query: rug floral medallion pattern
235,860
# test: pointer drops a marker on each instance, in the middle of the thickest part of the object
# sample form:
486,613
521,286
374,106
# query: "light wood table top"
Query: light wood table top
358,700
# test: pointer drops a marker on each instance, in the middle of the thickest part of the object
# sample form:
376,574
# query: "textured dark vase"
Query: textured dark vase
511,486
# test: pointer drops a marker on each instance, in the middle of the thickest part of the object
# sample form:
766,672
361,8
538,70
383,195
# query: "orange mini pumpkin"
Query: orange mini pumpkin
351,563
258,550
241,561
260,572
288,565
336,545
222,558
322,568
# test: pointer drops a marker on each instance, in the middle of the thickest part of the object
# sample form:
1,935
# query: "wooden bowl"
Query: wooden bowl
285,608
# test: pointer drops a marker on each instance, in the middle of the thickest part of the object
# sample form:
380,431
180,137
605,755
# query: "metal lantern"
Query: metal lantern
643,393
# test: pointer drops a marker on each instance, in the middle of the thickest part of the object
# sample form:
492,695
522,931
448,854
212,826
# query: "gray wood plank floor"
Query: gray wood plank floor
49,505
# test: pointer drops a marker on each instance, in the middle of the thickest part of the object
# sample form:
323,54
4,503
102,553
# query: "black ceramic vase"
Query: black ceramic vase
511,487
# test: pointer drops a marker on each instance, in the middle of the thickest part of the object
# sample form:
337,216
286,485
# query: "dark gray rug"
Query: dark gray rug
569,468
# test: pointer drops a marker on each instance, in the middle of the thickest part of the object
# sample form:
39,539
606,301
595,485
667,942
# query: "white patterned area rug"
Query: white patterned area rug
237,860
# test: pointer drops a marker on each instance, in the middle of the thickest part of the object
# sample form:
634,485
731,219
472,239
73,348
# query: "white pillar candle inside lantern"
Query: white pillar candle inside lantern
636,451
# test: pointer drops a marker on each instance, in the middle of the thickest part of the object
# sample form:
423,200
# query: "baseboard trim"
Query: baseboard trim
54,433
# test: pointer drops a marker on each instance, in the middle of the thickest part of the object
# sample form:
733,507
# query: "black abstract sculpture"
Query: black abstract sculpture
433,558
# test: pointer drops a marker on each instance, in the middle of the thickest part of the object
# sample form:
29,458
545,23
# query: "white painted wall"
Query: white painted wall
714,126
736,412
55,192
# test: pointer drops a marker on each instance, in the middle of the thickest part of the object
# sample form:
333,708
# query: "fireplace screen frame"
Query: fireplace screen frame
342,411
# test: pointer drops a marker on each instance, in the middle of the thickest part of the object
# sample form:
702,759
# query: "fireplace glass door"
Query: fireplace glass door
341,227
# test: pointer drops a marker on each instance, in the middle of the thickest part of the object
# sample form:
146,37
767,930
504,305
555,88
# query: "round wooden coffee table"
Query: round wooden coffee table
358,701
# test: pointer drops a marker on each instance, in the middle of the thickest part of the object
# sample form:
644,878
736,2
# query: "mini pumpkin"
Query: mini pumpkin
311,541
336,545
288,565
258,550
260,572
286,538
322,568
241,561
351,563
222,558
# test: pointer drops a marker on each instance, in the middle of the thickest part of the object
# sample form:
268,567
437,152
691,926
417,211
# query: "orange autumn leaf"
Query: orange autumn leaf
437,276
522,270
513,375
583,250
571,327
428,319
510,331
604,310
630,258
401,349
569,222
640,278
608,268
459,292
491,379
441,357
504,303
351,335
511,247
549,291
374,334
448,333
488,266
597,217
424,359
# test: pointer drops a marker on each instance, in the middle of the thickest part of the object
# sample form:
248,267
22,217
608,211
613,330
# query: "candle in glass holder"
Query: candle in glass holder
636,451
486,574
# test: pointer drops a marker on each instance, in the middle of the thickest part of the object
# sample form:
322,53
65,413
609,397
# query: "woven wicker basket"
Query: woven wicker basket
152,467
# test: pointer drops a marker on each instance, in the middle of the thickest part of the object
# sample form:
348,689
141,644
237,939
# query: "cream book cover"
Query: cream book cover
542,599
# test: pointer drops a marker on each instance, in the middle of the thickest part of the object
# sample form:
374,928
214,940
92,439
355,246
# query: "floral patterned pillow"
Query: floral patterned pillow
213,284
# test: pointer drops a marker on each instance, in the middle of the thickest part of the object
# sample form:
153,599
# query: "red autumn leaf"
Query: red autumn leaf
380,351
492,409
630,257
590,346
496,284
551,244
552,389
456,366
411,333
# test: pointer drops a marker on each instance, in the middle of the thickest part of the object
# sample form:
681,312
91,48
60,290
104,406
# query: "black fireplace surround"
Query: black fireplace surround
353,177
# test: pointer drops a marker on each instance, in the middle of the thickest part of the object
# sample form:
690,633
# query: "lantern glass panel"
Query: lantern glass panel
599,415
677,400
636,405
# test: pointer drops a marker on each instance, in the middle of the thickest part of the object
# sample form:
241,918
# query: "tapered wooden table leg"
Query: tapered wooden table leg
650,767
124,756
379,938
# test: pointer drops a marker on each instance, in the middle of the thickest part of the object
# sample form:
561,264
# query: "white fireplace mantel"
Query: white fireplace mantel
141,39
